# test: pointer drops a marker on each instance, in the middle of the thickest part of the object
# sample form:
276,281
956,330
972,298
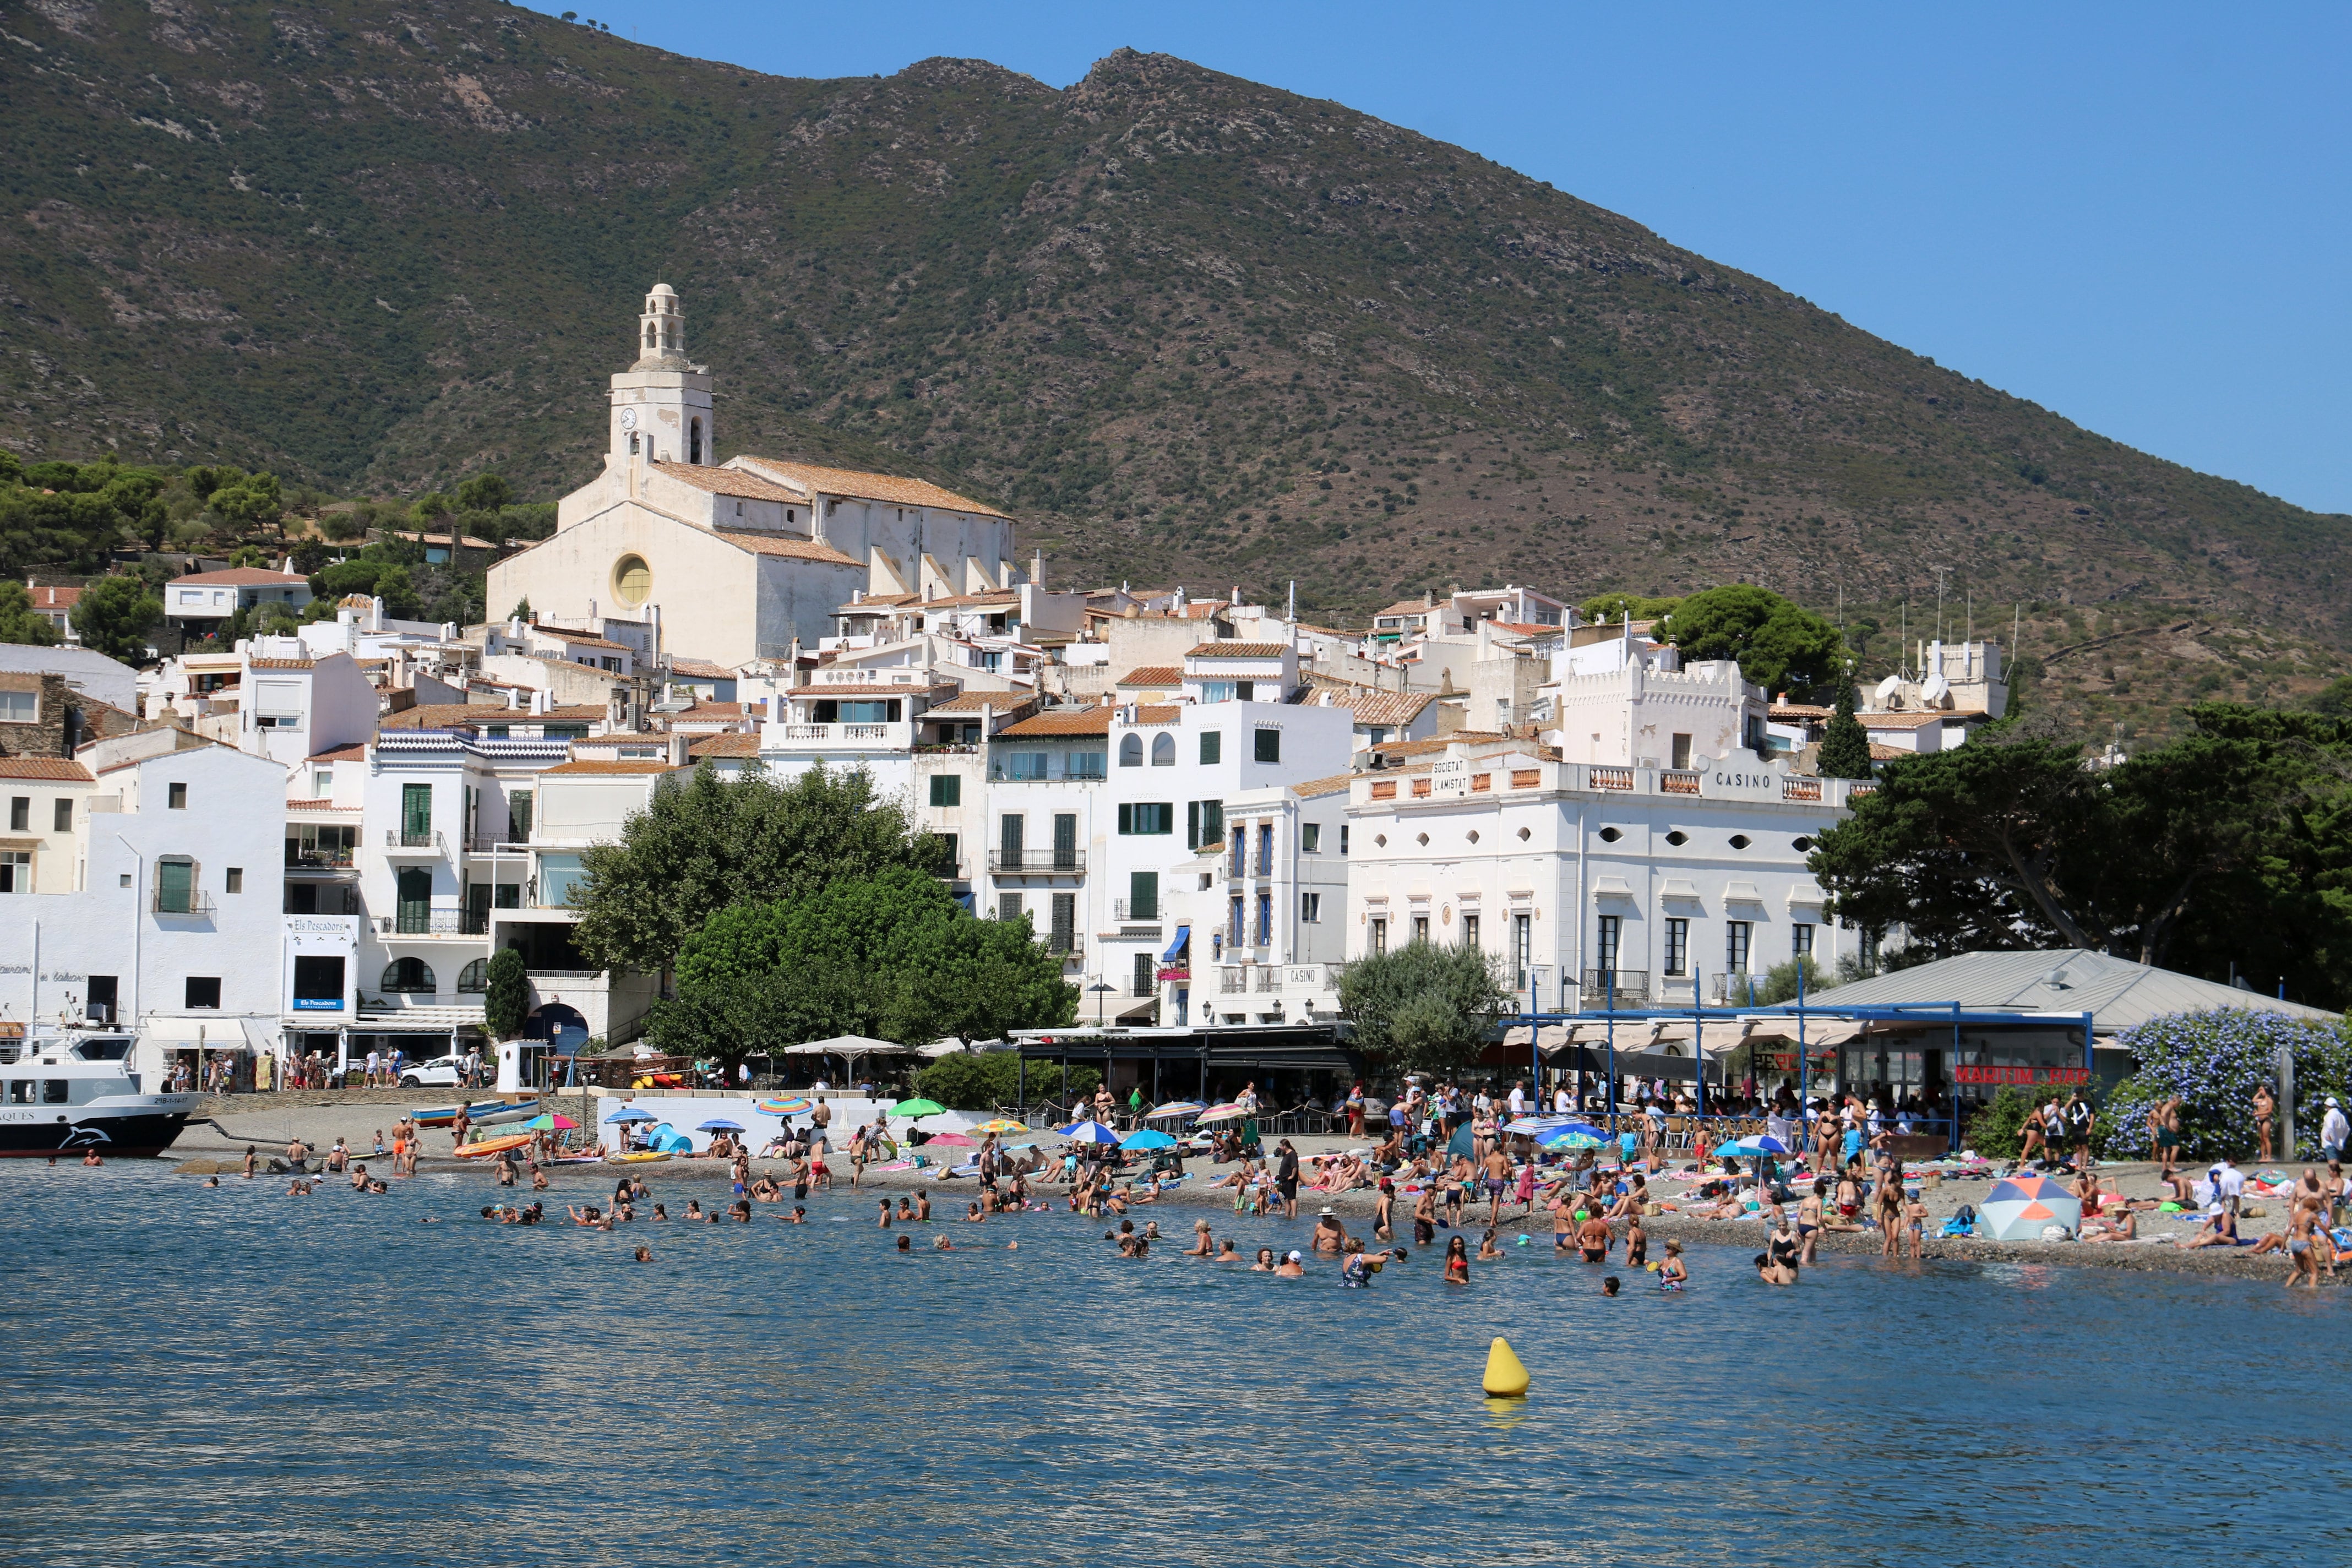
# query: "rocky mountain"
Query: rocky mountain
1189,328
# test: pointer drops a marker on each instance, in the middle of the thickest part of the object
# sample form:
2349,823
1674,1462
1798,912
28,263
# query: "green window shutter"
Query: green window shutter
176,883
1143,895
1213,746
1269,745
1191,825
946,789
415,811
1127,819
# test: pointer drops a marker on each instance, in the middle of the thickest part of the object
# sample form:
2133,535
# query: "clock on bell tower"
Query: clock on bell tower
661,404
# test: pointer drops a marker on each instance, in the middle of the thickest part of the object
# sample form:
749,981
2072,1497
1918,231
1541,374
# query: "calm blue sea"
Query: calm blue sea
231,1377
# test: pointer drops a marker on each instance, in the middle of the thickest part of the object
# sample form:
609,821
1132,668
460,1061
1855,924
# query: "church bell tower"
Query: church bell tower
661,404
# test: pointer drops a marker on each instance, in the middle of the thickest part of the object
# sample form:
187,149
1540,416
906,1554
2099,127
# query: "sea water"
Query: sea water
193,1375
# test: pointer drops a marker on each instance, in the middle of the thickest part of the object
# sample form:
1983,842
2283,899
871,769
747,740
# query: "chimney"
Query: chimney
1237,594
1037,568
513,702
677,750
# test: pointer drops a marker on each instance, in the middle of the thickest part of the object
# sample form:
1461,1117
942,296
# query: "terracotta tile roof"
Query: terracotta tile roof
1408,607
619,767
879,603
584,639
49,598
1162,713
1528,628
809,479
846,689
448,715
733,482
242,577
1798,712
1153,675
1902,721
704,708
339,754
1879,753
731,745
1239,651
699,670
1060,722
318,806
1005,702
1435,743
974,601
1371,707
1332,785
62,769
784,545
284,664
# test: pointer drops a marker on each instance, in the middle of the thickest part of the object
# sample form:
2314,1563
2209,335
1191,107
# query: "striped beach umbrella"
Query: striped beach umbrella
788,1105
2019,1208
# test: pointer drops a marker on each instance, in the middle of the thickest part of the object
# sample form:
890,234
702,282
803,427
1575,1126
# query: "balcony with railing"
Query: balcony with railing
1672,783
420,921
1041,862
303,856
1623,987
191,903
1069,946
404,842
1736,988
1295,981
887,736
1137,910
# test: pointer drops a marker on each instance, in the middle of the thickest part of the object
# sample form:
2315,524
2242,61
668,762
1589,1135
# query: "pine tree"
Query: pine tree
1845,750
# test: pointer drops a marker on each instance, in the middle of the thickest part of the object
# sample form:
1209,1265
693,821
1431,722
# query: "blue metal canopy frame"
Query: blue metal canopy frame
1916,1012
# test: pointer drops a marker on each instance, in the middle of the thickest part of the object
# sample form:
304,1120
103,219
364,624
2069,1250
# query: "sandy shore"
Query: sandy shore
355,1115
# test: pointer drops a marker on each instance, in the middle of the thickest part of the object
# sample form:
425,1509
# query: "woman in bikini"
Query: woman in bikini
1457,1261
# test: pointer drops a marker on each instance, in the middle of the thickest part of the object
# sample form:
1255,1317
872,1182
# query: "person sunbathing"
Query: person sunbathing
2124,1229
2220,1229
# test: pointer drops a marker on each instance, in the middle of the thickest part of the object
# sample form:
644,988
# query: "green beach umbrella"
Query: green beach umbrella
915,1108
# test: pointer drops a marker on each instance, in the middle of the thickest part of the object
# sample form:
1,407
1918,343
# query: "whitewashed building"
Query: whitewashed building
1657,885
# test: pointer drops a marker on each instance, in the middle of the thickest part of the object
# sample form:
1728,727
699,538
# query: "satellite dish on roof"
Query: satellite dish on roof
1935,689
1888,687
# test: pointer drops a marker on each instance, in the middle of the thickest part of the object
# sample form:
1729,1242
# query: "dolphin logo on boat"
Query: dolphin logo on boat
83,1136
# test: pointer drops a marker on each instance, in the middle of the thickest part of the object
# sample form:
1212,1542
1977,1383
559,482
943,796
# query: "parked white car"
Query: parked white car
446,1072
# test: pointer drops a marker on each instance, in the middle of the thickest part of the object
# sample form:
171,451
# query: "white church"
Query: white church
735,560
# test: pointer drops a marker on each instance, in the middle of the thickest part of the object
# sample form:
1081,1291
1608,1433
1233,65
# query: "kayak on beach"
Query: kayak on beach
490,1146
488,1113
644,1159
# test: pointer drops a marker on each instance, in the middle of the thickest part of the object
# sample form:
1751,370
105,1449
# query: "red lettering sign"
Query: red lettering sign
2031,1076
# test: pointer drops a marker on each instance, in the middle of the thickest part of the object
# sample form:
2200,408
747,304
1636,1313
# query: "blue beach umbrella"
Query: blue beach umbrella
1147,1139
719,1124
630,1113
1088,1132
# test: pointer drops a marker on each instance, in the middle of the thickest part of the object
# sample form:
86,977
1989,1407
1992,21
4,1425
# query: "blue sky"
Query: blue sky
2139,217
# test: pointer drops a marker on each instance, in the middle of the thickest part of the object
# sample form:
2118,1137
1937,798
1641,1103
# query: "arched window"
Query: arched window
649,334
633,443
1163,751
475,976
1130,752
694,441
406,975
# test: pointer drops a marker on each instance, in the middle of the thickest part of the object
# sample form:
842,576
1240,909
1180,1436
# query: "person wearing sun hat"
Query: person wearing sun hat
2334,1132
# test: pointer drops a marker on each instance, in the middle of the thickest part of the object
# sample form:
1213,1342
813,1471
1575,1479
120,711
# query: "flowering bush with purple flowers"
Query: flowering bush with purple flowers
2214,1061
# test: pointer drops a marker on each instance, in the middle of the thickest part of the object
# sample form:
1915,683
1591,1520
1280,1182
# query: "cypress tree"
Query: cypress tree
1845,750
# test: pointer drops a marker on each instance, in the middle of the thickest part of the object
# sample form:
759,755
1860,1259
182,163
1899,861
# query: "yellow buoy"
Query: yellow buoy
1506,1378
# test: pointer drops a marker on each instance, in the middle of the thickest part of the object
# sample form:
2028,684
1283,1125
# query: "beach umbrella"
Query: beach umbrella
1088,1132
915,1108
1570,1138
1147,1139
1225,1113
1002,1125
547,1122
2019,1208
950,1140
719,1124
1537,1124
628,1113
1174,1108
788,1105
